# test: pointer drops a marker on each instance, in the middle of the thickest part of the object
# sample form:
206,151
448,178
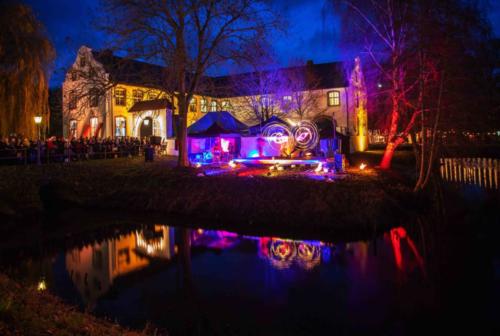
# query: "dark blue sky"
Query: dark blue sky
311,34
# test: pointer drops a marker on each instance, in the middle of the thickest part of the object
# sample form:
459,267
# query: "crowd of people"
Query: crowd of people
20,150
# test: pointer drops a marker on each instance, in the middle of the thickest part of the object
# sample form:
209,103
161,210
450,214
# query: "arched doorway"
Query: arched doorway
146,127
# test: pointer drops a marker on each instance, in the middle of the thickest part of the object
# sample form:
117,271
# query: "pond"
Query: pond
209,282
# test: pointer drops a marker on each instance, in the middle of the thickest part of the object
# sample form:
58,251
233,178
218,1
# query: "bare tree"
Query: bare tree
386,31
188,37
303,92
291,92
421,53
259,95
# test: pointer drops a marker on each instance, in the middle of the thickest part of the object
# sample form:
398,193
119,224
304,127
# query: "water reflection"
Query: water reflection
93,269
283,253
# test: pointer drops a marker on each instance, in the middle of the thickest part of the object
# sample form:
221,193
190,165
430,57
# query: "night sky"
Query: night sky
313,31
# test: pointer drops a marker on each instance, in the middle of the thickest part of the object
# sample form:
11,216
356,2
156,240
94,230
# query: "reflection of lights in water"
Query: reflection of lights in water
282,253
308,255
42,285
151,248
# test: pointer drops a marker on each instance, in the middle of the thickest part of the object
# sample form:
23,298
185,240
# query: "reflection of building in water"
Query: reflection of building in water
157,243
94,268
283,253
215,239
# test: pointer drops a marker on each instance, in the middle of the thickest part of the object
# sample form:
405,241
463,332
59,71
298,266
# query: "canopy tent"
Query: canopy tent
214,124
257,129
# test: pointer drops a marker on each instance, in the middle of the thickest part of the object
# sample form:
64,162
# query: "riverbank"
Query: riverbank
32,311
358,201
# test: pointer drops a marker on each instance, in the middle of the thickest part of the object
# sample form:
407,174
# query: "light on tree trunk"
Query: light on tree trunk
38,119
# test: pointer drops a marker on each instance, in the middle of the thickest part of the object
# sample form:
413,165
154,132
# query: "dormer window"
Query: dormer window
74,75
83,61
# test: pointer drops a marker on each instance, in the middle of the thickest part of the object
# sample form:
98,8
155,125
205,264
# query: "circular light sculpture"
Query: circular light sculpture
278,135
306,135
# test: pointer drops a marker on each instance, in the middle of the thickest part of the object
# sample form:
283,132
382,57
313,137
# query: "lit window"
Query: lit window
72,128
192,105
152,95
287,99
94,122
120,127
72,100
120,96
137,95
213,106
333,98
225,106
264,100
93,97
156,127
203,105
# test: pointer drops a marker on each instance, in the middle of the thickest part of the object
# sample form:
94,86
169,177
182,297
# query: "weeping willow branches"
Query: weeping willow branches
26,55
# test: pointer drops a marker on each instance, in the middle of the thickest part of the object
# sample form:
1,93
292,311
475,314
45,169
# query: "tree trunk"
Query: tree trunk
182,160
388,154
392,141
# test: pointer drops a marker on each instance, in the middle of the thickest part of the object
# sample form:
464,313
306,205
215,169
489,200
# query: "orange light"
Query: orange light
362,166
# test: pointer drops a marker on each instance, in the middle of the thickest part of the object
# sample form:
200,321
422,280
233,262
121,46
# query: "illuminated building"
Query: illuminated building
108,96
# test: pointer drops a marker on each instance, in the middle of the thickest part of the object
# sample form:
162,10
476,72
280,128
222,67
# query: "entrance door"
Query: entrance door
146,127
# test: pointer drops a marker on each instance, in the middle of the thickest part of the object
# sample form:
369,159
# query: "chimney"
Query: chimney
309,63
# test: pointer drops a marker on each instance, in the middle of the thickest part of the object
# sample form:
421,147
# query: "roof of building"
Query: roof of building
151,105
216,123
305,77
129,71
316,76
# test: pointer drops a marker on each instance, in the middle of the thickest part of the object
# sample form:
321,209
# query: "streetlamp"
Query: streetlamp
38,121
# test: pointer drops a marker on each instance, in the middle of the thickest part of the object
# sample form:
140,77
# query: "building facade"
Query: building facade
108,96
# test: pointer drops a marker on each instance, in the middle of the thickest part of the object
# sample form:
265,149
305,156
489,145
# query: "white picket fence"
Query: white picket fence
478,171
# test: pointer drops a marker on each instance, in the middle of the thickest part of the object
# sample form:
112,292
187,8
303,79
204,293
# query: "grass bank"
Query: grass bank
27,311
360,201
